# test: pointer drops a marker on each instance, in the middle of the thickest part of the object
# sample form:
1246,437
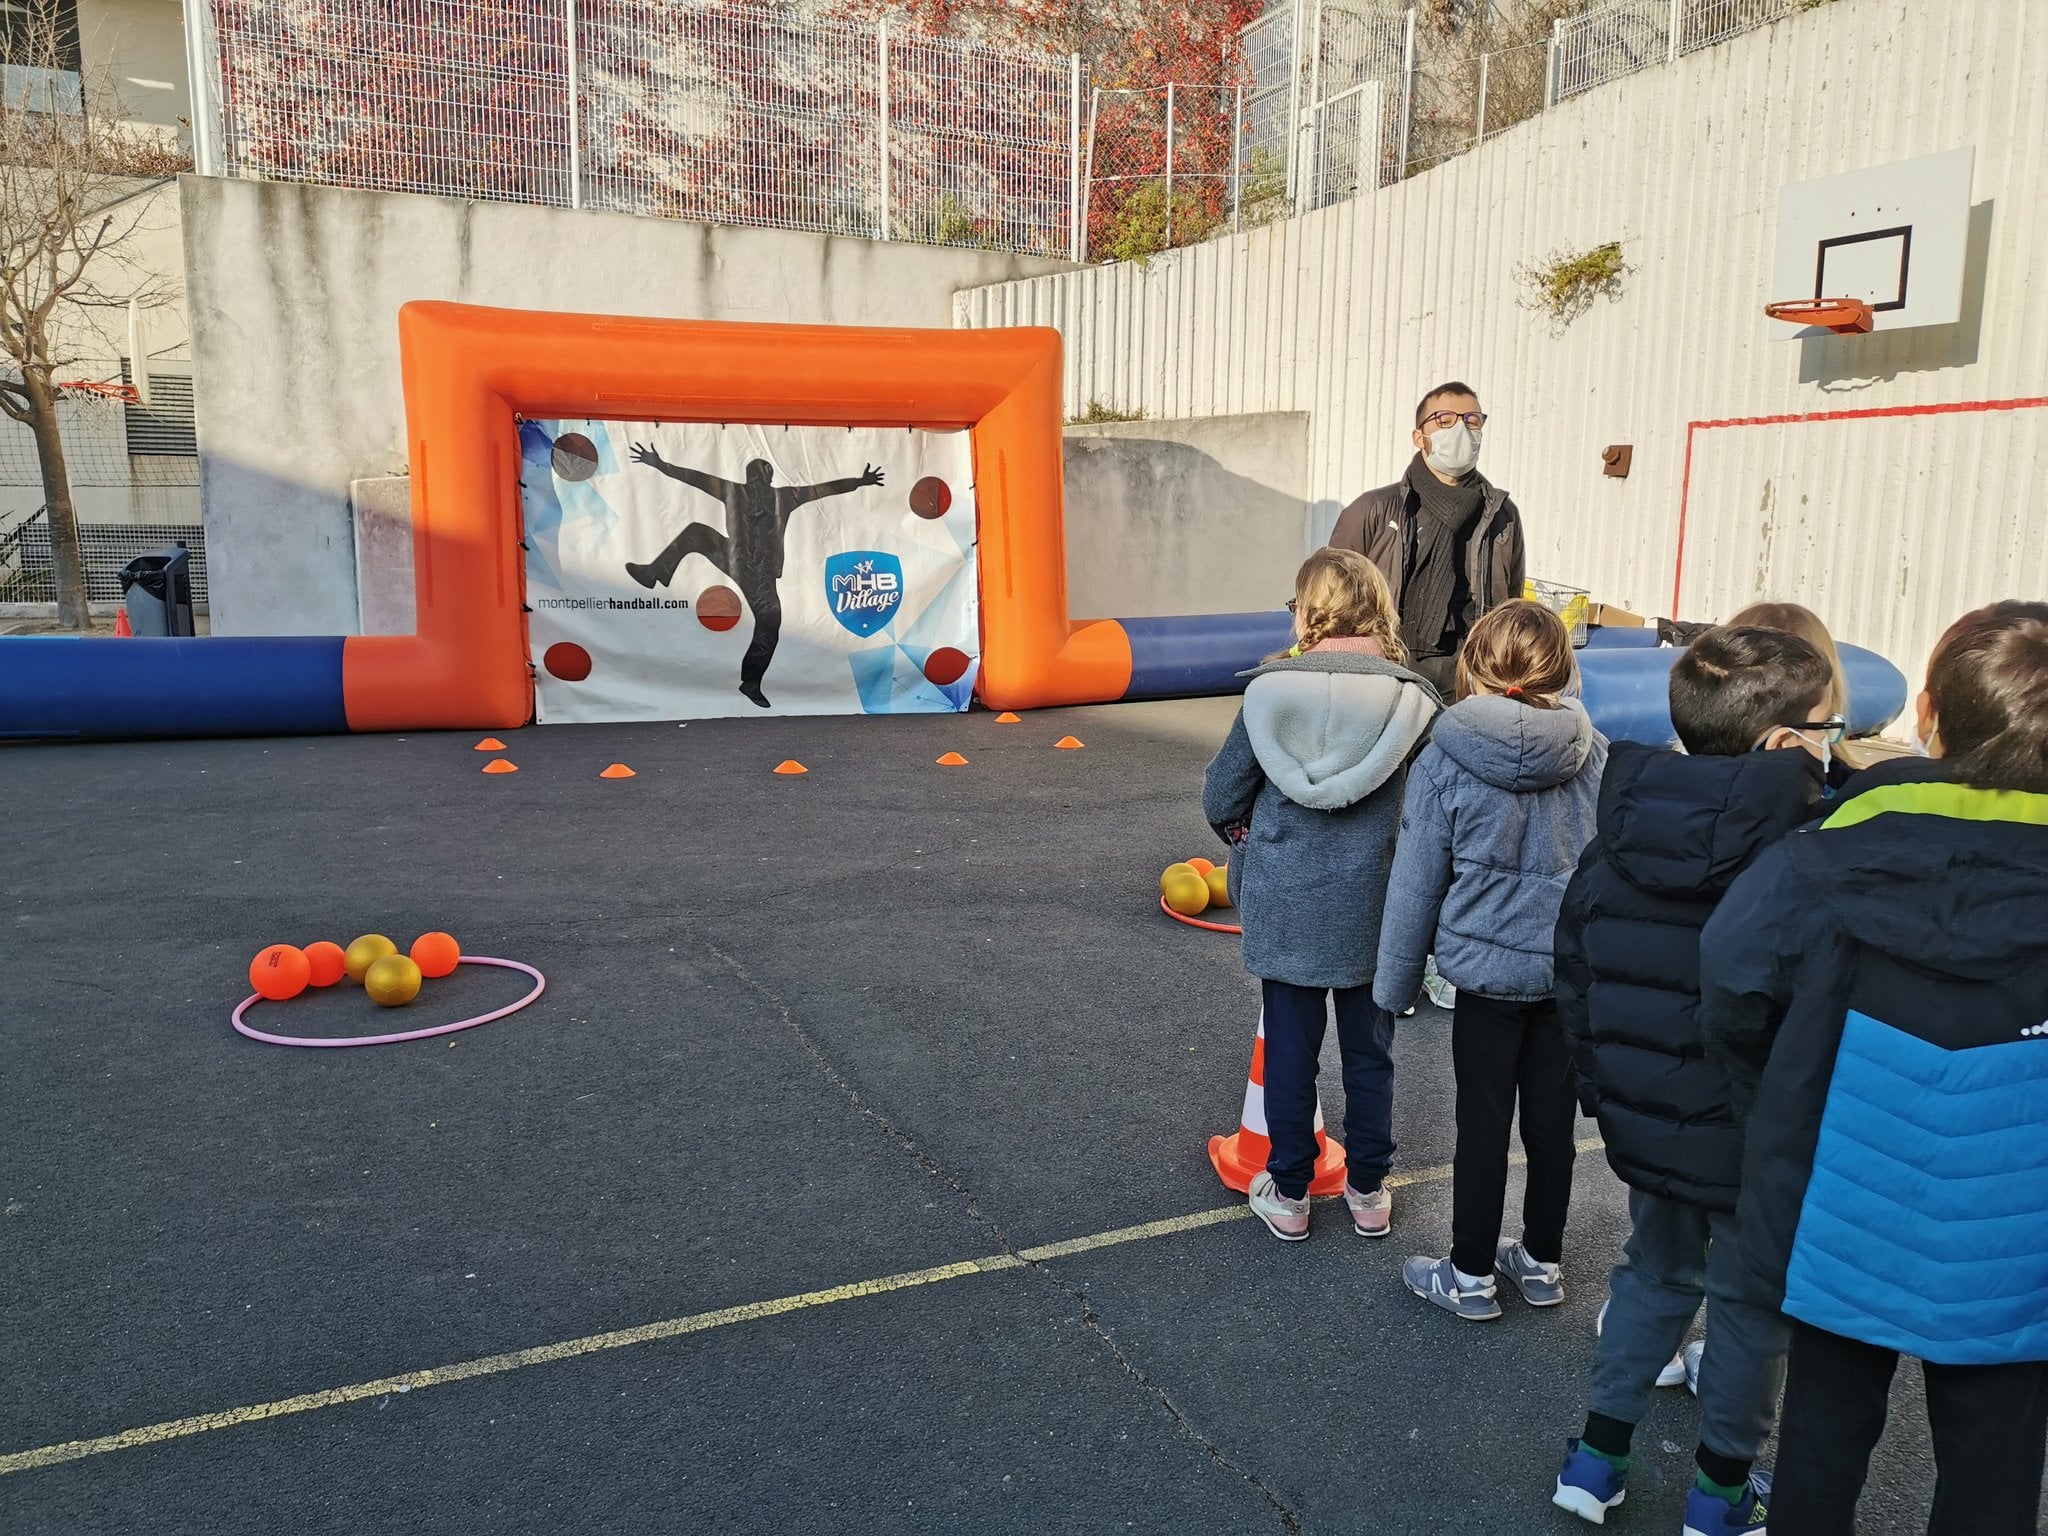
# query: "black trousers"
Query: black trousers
1500,1051
762,594
1989,1423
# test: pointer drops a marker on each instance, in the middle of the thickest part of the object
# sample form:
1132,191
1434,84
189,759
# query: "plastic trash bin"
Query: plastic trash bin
157,588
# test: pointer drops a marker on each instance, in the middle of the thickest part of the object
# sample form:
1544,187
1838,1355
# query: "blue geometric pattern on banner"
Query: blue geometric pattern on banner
891,681
930,627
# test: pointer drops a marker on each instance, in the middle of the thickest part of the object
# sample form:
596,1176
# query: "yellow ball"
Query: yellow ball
392,981
1219,886
1187,893
364,953
1173,870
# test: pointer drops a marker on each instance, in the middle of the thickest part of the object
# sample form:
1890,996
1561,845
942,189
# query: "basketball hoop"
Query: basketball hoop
1845,317
110,391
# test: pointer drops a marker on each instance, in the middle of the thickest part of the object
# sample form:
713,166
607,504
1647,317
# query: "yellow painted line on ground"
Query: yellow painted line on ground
645,1333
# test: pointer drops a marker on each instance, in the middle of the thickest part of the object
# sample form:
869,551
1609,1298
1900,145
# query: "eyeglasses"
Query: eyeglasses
1290,605
1835,725
1436,421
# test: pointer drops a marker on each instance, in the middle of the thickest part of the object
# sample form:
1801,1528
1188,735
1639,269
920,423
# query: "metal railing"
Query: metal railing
723,113
1606,42
25,561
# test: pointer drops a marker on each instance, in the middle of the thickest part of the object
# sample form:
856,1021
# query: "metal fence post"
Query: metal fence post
1237,162
1169,165
1550,63
1407,95
1294,123
575,121
1088,177
882,221
1077,224
1479,135
1677,26
202,62
1311,130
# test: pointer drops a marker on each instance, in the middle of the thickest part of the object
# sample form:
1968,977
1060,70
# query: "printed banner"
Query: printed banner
680,572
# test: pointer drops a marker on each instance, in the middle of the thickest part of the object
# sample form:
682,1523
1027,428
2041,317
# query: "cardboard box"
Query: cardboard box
1607,614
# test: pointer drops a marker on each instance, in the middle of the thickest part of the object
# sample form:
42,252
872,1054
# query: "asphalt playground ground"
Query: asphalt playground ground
852,1085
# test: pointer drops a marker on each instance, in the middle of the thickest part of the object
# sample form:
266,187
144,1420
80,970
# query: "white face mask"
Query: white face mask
1920,744
1453,450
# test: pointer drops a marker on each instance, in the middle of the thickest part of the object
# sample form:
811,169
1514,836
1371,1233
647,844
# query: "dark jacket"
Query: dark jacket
1674,833
1381,526
1500,805
1307,790
1877,992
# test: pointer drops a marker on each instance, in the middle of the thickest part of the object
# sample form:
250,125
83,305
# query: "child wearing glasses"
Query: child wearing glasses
1675,829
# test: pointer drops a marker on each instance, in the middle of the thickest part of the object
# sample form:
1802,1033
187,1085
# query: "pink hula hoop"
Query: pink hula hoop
1196,922
540,985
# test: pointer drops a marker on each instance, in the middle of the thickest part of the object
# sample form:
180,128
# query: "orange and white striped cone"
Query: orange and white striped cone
1237,1158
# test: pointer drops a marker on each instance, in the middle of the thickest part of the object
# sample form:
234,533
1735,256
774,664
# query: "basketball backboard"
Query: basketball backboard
1893,236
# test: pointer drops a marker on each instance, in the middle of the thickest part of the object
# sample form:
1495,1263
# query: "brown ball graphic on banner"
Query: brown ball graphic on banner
945,665
930,497
574,456
571,663
718,608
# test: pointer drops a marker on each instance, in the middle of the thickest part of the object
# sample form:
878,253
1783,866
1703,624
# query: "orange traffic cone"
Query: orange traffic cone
122,628
1238,1157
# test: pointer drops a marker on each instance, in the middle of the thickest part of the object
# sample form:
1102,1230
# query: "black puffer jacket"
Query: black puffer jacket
1674,832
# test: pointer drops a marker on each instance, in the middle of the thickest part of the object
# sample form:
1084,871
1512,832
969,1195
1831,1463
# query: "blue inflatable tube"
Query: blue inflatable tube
276,686
1628,692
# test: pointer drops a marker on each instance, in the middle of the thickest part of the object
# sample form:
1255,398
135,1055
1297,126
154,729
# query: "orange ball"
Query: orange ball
435,953
327,961
1201,867
280,972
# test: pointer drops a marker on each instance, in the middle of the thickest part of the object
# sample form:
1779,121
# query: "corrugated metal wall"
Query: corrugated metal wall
1350,312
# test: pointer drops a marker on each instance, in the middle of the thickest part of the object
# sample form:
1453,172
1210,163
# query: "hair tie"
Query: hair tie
1514,691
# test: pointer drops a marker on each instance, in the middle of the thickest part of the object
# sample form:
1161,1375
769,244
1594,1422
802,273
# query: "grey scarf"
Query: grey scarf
1444,513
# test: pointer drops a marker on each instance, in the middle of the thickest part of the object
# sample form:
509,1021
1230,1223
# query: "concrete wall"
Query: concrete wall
293,293
136,49
1888,525
1202,516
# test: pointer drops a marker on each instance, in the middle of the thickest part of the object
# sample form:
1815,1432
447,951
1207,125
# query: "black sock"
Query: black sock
1610,1437
1726,1471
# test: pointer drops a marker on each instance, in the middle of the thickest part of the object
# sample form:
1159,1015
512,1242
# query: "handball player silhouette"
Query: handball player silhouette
749,551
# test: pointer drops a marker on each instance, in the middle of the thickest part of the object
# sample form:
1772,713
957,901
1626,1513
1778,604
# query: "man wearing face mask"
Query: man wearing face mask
1448,541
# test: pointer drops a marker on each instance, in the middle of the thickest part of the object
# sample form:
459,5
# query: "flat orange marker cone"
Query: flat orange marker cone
1070,743
501,765
490,744
790,765
123,630
617,771
952,760
1238,1157
1006,718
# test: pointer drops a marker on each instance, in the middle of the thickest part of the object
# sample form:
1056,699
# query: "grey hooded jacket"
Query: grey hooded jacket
1307,790
1500,805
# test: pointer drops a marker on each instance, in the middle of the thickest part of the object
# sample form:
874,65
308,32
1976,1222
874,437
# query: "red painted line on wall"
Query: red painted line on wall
1872,413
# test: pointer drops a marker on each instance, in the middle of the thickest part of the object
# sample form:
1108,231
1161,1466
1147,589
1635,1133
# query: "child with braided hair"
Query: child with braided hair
1307,791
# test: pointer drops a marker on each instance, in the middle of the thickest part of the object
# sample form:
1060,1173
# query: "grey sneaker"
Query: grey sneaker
1286,1219
1541,1285
1371,1214
1689,1359
1440,992
1436,1281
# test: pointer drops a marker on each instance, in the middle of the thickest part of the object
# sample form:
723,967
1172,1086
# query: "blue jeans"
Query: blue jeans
1295,1020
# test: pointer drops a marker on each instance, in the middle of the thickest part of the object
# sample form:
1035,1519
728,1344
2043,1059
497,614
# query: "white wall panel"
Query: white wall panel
1348,313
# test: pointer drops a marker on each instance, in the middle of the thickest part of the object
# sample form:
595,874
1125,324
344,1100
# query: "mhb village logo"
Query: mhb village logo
865,588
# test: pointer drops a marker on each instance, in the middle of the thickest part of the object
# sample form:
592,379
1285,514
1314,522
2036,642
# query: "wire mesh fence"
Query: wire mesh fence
25,560
1166,167
724,113
1608,41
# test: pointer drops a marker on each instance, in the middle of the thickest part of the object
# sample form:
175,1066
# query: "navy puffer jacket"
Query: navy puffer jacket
1674,832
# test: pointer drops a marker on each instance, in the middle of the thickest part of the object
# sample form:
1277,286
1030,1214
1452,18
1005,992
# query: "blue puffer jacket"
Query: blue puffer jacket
1877,990
1500,805
1307,790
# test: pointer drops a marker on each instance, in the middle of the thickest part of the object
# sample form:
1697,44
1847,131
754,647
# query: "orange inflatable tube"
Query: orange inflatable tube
470,371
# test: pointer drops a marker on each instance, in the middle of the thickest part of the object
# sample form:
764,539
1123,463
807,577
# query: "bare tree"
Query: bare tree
73,190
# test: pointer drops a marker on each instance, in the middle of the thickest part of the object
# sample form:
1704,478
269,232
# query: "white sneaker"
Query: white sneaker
1286,1219
1441,992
